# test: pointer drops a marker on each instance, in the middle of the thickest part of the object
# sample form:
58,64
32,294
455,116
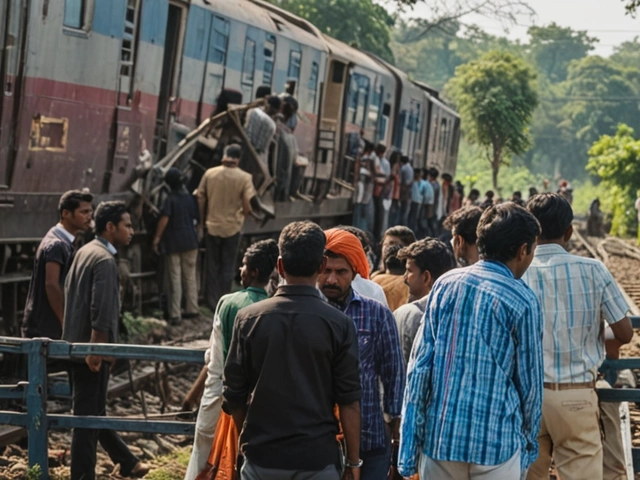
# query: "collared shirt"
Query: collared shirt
395,290
406,174
230,307
370,289
474,387
39,318
224,189
260,129
575,294
380,362
292,358
428,193
409,318
180,234
112,250
65,233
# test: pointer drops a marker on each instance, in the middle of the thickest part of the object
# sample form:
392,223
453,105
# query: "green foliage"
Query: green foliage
552,48
495,96
170,467
616,160
34,473
361,23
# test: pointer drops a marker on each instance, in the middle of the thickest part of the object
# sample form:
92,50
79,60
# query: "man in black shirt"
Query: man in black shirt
291,359
44,310
176,232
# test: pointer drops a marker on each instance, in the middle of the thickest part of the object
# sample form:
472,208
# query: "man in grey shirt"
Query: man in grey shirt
426,260
92,309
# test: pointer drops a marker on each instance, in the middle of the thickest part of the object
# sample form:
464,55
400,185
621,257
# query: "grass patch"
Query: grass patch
172,466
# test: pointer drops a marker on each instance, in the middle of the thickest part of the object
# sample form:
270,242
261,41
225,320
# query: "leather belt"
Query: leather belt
569,386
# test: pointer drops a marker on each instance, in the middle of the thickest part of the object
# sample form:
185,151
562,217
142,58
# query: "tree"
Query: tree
552,48
599,94
627,54
495,96
630,5
360,23
616,160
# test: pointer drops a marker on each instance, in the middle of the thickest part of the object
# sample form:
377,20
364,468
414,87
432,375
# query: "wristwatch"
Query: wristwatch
358,464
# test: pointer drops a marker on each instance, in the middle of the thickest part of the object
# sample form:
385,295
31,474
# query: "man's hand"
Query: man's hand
351,474
93,362
155,245
200,232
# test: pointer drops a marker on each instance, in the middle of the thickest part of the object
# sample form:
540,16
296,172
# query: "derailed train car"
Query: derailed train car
93,90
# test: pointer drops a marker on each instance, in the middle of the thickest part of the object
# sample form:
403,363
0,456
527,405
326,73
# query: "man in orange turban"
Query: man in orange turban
380,353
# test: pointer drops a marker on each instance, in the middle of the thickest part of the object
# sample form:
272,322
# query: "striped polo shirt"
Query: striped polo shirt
575,294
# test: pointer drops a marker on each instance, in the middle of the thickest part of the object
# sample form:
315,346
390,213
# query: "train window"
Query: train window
386,110
363,100
434,135
443,134
338,72
269,59
218,53
249,62
295,59
313,85
78,14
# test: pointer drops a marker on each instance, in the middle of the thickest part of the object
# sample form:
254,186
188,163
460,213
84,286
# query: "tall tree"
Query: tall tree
616,160
361,23
496,96
552,48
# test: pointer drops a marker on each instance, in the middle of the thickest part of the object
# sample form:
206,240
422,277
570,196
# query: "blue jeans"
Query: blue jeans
376,463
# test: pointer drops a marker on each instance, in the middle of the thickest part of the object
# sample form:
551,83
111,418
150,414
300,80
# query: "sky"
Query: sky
603,19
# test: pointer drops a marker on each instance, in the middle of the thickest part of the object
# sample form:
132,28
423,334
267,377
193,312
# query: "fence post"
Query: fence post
37,406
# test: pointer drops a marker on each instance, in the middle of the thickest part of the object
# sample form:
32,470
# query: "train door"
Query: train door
248,75
13,26
168,80
216,59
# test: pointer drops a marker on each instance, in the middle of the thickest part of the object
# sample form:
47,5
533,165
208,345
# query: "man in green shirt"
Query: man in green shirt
258,263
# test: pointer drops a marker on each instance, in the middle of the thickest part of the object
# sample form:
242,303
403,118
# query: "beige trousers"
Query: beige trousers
614,463
440,470
181,269
570,433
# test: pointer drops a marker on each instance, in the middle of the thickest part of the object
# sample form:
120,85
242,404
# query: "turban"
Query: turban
348,246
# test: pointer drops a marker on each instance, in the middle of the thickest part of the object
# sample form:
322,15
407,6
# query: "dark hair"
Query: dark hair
301,246
474,191
274,102
447,177
394,157
517,193
464,222
368,146
263,91
430,255
360,234
553,212
71,200
489,194
405,234
233,151
109,212
262,256
174,179
503,229
380,149
404,159
391,260
433,171
425,172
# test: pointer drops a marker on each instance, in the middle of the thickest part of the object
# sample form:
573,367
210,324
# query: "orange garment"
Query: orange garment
348,246
395,289
224,452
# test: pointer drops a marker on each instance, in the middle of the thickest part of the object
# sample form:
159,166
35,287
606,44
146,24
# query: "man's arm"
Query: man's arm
235,384
390,362
201,195
350,420
162,225
94,362
529,377
622,334
55,294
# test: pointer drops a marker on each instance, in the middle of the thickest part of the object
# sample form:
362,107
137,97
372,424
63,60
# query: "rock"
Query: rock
19,467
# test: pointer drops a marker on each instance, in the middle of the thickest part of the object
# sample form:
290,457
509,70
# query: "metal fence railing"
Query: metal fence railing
35,391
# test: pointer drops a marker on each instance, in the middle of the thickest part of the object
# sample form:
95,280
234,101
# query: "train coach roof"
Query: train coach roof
444,107
356,56
268,19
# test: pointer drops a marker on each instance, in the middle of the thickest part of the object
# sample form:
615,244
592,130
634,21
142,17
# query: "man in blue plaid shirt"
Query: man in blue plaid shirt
473,401
380,353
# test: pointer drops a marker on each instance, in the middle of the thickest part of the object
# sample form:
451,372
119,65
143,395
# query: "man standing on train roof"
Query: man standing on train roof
44,310
257,265
92,311
292,358
575,293
379,351
224,200
473,401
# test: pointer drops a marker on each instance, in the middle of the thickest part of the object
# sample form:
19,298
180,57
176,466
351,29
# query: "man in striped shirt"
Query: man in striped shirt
575,295
473,400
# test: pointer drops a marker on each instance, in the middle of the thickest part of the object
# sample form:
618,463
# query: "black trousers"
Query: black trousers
90,398
221,265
